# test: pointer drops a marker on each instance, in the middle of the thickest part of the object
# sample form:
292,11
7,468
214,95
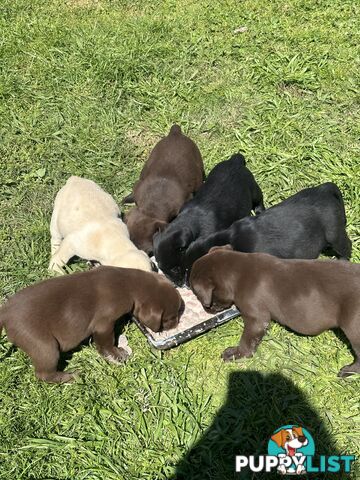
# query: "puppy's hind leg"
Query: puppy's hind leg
254,330
45,357
259,208
353,334
340,243
258,201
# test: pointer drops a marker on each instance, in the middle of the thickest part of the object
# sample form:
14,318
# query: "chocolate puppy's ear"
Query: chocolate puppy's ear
222,247
150,316
159,226
204,293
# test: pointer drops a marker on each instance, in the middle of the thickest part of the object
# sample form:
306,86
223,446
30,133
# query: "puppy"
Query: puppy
56,315
309,223
229,193
308,296
169,178
85,222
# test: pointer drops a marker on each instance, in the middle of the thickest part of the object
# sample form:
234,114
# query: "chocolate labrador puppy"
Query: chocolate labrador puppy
308,296
310,222
229,193
56,315
173,172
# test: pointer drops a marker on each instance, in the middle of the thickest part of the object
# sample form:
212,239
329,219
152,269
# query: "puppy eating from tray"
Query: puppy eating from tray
193,315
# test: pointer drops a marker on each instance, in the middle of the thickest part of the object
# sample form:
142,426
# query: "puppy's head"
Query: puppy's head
135,259
195,251
169,249
290,438
210,282
142,228
159,308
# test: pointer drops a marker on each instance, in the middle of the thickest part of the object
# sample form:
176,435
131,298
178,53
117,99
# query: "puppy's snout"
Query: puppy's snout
302,438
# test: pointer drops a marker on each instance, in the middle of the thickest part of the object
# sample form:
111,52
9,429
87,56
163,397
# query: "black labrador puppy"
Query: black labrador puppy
309,223
229,193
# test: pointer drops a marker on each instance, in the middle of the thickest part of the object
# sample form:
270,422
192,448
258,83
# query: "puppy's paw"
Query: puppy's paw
55,268
117,355
230,354
349,370
57,377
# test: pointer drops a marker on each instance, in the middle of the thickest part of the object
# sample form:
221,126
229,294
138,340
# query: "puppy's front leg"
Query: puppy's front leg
254,330
104,340
62,255
56,236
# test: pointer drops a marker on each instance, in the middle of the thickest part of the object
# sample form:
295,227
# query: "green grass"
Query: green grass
87,88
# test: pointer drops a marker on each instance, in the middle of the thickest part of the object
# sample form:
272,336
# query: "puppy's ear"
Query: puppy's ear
185,237
204,293
159,226
278,438
222,247
298,431
150,316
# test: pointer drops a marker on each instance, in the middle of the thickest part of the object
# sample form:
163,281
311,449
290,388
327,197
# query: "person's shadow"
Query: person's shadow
257,404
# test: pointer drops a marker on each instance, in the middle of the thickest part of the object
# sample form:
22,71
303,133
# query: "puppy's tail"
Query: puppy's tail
238,157
175,130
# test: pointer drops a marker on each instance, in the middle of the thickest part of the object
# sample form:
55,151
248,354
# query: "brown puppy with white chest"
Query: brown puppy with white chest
56,315
308,296
173,172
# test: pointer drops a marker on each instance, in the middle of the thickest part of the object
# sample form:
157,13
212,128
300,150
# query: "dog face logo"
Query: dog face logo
291,444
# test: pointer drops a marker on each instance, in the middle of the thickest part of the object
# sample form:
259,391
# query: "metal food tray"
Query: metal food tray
192,332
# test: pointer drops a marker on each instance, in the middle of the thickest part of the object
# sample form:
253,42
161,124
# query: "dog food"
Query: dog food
193,314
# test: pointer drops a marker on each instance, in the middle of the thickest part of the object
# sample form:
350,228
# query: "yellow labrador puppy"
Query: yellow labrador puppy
86,222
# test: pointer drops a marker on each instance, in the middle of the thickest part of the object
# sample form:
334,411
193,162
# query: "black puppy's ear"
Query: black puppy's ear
150,316
185,238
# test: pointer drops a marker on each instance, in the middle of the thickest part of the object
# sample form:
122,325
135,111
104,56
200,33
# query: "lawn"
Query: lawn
87,87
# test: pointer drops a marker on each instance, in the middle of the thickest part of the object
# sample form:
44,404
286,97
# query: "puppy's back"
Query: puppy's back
81,201
175,155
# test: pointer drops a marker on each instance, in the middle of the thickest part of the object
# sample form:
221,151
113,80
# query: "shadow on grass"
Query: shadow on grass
257,404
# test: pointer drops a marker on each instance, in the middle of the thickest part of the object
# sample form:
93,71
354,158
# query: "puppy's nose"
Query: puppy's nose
302,438
154,267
